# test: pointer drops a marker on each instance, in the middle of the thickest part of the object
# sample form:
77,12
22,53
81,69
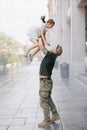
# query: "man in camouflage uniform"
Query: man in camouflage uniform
46,85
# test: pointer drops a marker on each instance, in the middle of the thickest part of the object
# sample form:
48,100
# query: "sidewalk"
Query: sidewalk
19,101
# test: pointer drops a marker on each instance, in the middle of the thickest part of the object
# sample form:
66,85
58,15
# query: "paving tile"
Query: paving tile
17,122
75,126
67,107
5,121
63,99
7,111
3,127
71,117
30,120
40,114
27,112
78,94
81,100
31,104
55,126
28,127
82,106
84,114
6,116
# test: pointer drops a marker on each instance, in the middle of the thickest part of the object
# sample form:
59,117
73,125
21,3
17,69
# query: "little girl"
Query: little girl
37,35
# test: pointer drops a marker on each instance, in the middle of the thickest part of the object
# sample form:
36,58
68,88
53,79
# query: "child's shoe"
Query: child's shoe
30,57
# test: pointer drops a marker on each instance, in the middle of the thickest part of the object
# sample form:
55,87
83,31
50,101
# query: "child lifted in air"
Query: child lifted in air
37,36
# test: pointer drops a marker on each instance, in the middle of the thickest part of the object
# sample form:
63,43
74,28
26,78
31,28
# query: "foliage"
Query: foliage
9,48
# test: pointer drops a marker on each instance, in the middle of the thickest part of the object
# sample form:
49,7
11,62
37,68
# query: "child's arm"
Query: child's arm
42,48
44,37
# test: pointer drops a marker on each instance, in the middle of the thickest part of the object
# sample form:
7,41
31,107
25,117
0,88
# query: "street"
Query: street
19,100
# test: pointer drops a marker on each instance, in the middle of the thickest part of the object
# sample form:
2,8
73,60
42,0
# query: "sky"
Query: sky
17,16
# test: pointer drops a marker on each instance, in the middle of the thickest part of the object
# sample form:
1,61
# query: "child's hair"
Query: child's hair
51,21
43,19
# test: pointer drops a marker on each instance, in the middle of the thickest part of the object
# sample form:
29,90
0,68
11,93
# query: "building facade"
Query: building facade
70,31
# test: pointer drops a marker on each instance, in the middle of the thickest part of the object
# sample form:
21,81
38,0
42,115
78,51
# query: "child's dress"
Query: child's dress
33,32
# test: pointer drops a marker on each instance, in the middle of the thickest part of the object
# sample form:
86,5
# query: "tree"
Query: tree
9,48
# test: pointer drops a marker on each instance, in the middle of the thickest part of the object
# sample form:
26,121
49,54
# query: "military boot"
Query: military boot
45,123
55,118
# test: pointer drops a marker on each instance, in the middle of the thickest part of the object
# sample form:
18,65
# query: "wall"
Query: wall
69,31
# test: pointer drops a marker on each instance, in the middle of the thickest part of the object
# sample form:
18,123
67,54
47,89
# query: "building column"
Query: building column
77,38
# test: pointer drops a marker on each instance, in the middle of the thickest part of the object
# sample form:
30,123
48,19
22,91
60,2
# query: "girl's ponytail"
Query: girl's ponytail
43,19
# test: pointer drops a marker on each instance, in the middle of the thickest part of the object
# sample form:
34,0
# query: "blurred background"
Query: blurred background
70,31
16,18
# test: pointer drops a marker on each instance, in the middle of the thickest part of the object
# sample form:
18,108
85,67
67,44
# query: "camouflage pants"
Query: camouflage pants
45,98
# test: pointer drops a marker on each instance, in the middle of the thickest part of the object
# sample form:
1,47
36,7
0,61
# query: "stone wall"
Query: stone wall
69,31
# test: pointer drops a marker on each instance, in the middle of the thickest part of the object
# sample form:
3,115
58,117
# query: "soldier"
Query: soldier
46,85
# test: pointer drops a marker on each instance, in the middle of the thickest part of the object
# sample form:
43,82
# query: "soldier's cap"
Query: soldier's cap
59,50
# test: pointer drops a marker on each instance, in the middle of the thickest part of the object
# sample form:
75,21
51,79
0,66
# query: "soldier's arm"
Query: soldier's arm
44,51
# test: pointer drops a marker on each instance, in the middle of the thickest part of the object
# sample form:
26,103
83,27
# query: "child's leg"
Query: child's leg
32,47
32,55
40,41
36,51
34,41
